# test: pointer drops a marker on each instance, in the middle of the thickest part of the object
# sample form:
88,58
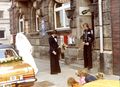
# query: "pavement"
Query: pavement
45,79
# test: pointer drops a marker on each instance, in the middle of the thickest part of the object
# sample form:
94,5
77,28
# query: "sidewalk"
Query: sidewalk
58,80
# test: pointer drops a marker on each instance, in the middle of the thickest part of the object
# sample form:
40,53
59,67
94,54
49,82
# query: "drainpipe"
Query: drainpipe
101,36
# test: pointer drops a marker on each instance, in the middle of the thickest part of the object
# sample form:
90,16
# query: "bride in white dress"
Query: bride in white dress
25,50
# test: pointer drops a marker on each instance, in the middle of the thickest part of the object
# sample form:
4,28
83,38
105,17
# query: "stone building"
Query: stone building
4,22
35,17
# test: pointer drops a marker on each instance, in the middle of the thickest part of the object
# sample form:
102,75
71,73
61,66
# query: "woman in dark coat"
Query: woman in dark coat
88,39
54,53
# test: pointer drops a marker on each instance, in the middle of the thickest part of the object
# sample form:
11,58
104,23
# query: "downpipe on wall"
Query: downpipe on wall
101,36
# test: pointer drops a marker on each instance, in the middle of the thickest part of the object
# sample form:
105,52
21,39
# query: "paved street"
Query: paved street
59,80
45,79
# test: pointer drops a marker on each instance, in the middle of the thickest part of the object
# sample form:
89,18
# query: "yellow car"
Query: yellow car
13,71
103,83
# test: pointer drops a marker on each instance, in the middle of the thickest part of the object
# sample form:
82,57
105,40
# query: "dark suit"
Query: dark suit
54,59
88,37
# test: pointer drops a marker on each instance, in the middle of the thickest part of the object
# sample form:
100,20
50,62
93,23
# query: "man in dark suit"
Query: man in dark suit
54,53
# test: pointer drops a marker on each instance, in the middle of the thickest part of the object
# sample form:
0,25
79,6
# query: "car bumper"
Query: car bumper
17,82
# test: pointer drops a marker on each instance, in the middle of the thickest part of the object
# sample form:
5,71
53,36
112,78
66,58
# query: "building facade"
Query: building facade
5,22
37,17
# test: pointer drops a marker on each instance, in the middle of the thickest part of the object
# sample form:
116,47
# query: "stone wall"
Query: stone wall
39,41
107,65
40,46
71,55
107,41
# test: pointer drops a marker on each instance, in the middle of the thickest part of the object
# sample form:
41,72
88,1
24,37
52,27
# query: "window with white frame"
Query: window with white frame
61,20
2,34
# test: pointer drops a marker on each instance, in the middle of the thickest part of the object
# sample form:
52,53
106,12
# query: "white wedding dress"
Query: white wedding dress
25,50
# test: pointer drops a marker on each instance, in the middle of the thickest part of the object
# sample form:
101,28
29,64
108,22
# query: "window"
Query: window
21,24
61,20
1,14
37,23
71,40
40,25
7,52
62,40
67,39
2,34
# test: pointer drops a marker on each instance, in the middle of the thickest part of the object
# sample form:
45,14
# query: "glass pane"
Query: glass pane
59,19
2,54
9,53
38,23
58,5
1,14
68,3
2,34
67,21
6,53
21,26
71,39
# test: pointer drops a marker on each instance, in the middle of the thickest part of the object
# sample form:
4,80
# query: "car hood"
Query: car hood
13,67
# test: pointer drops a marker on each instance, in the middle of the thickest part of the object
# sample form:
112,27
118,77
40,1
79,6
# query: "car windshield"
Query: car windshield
7,53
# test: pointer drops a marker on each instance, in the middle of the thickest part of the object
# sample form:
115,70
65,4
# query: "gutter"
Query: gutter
101,36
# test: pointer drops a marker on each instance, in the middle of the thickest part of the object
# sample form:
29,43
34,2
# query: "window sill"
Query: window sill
34,33
2,38
65,30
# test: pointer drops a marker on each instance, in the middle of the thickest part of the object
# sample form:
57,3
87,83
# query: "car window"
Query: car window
7,53
2,55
